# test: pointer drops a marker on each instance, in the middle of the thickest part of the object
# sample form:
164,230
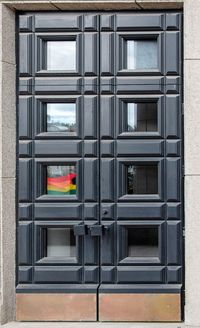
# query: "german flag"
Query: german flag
64,185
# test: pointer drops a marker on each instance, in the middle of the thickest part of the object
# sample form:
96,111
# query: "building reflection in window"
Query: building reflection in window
61,117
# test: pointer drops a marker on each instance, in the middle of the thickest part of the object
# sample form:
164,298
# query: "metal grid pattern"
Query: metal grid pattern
100,213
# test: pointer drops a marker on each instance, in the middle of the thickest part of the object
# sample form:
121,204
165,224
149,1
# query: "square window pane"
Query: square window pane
142,54
61,242
142,179
61,117
143,242
61,180
141,117
61,55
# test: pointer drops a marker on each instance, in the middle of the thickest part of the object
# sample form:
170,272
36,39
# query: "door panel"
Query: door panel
100,166
58,112
140,162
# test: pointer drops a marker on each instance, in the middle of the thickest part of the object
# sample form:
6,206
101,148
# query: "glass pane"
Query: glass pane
61,180
61,242
61,117
141,117
143,242
142,54
61,55
142,179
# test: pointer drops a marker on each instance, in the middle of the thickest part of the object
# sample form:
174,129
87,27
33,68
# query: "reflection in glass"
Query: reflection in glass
61,55
61,117
143,242
141,117
142,179
61,242
142,54
61,180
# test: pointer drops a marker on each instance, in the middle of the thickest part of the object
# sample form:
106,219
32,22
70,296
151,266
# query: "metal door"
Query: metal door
100,166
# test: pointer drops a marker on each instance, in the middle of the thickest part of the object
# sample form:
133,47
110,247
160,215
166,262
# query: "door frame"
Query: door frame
9,104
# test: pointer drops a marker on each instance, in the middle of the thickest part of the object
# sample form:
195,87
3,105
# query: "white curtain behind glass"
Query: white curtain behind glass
142,54
61,55
58,242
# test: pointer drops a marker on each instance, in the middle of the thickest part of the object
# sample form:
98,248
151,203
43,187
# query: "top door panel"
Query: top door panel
59,45
139,22
61,22
140,42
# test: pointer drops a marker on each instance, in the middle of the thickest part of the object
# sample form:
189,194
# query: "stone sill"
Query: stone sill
91,325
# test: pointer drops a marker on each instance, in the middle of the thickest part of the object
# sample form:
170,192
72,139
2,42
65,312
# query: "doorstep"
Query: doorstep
91,325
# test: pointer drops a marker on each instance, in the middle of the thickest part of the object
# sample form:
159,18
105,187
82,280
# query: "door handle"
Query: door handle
97,229
79,229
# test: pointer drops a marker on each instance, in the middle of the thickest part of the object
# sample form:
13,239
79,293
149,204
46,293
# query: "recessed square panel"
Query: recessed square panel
142,54
61,117
141,117
61,55
61,242
142,179
61,180
142,242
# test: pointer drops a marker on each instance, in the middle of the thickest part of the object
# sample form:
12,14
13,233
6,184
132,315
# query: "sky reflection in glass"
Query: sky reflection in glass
61,117
61,55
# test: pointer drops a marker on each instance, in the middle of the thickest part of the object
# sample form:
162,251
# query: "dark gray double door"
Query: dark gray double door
100,169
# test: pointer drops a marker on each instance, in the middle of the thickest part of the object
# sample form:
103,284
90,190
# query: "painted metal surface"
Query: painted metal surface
100,211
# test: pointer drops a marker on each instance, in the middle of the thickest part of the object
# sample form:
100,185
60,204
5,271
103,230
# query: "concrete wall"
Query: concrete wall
191,126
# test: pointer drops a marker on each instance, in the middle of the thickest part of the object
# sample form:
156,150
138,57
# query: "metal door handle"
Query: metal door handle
79,230
95,230
98,230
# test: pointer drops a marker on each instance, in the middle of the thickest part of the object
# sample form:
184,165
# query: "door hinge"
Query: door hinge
182,109
183,232
183,170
